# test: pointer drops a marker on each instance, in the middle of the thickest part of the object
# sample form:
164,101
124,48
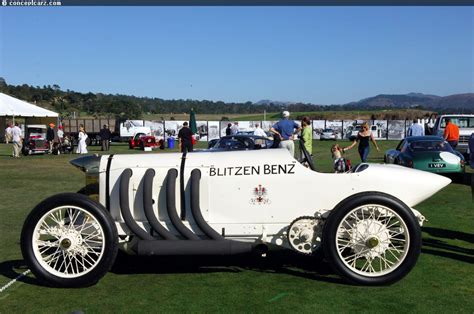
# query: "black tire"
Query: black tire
109,237
330,234
142,146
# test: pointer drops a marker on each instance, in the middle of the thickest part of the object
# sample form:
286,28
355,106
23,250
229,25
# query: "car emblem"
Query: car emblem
260,196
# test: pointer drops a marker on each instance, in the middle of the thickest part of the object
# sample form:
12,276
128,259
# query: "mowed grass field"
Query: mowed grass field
442,281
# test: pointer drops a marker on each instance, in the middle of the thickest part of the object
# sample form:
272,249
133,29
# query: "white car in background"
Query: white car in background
227,203
465,123
328,134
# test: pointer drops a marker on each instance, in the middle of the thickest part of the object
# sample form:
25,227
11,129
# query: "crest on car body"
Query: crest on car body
260,196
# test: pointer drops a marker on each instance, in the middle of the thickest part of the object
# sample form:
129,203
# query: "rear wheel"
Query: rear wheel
68,240
372,239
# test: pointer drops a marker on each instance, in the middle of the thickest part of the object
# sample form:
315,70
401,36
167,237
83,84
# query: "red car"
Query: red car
142,140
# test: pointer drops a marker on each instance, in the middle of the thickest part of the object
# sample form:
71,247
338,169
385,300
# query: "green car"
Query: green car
429,153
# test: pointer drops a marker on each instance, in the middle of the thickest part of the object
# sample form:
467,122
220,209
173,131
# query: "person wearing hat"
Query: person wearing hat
105,136
285,129
50,136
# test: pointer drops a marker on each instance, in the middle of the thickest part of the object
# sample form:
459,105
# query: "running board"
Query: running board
192,247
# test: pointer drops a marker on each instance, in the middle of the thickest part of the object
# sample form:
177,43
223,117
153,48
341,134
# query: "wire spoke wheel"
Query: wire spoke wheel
68,241
372,240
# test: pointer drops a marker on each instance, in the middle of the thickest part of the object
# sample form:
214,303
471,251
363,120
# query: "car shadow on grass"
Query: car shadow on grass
13,270
440,247
449,234
275,262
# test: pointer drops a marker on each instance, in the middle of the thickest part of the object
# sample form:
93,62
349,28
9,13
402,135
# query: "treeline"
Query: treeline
68,103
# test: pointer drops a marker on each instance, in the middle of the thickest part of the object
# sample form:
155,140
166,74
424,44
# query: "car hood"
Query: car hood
410,185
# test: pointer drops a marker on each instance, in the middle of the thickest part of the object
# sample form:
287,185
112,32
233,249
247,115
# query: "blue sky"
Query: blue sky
322,55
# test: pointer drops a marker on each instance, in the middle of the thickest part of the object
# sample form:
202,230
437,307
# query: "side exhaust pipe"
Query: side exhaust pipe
125,207
171,206
148,206
196,209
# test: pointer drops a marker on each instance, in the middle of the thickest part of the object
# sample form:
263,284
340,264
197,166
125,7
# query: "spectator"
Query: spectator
340,164
228,130
235,128
105,136
451,133
285,129
8,134
307,134
471,150
82,145
17,139
363,138
415,129
259,131
185,136
60,134
50,136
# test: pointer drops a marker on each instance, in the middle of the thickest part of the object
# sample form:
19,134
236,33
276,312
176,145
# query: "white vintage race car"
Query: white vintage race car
224,203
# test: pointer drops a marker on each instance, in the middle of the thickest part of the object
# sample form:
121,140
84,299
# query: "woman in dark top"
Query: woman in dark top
363,138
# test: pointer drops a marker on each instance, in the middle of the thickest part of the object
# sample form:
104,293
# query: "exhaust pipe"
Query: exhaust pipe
196,209
125,208
148,206
171,206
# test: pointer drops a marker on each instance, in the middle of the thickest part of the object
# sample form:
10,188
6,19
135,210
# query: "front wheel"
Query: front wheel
68,240
372,239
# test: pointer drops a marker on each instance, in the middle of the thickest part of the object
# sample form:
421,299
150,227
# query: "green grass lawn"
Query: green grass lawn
442,280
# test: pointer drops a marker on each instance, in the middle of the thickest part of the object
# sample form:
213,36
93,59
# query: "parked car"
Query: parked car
428,153
465,122
212,142
242,142
213,203
142,140
35,140
328,134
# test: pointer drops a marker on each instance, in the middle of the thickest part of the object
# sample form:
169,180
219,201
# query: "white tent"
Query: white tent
13,107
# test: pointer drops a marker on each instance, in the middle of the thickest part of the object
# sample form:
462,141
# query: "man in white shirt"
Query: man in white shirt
259,131
415,129
17,138
235,128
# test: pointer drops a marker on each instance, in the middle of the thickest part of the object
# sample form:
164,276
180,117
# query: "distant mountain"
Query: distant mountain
275,102
417,100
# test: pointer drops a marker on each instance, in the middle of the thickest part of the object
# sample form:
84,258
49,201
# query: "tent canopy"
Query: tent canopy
11,106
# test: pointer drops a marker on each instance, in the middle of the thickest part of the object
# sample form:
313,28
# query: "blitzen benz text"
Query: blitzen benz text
252,170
